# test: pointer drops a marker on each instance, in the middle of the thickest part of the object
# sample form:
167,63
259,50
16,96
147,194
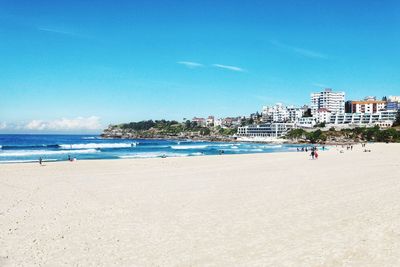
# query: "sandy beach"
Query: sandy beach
279,209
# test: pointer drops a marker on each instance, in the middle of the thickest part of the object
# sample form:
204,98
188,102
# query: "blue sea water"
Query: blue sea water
28,148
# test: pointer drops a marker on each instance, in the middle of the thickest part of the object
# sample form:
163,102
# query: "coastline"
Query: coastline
249,209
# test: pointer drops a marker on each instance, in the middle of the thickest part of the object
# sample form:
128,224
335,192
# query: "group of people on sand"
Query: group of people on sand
314,153
313,149
69,159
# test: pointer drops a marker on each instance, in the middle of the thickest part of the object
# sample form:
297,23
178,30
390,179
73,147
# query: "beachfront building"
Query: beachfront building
368,105
281,113
272,130
392,106
231,121
322,115
332,101
275,113
199,121
393,103
393,98
381,118
210,121
294,113
306,122
218,122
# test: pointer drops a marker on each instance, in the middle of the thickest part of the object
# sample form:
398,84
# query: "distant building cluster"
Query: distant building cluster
227,122
327,108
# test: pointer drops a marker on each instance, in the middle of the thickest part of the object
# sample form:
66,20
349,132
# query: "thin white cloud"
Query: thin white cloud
61,31
227,67
190,64
64,124
300,51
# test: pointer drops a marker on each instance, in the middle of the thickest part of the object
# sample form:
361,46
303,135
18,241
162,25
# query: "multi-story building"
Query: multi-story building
332,101
382,118
273,130
306,122
393,98
281,113
393,103
322,115
294,113
199,121
276,113
368,105
392,106
210,121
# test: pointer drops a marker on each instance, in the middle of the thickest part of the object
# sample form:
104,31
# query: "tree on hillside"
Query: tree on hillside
307,113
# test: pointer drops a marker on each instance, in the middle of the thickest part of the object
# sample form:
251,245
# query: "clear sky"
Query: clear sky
76,64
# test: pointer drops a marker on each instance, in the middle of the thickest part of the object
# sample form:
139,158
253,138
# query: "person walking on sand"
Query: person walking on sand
312,154
40,161
316,154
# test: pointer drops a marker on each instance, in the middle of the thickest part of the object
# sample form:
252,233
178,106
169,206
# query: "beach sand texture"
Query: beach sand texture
278,209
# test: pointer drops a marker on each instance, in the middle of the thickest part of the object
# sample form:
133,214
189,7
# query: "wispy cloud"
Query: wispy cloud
64,124
56,30
300,51
190,64
227,67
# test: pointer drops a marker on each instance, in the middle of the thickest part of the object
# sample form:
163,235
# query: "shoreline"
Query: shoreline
327,148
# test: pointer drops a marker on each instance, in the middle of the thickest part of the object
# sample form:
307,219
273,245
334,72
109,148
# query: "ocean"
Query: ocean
29,148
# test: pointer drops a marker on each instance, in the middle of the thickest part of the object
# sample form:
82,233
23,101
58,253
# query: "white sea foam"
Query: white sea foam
223,145
17,161
189,147
95,145
153,155
19,153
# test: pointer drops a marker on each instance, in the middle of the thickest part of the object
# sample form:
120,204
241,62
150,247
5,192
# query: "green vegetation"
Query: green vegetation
320,125
397,121
151,128
313,137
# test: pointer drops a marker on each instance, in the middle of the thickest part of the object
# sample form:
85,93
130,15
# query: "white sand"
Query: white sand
244,210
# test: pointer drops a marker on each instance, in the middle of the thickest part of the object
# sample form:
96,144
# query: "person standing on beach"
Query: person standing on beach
316,154
40,161
312,154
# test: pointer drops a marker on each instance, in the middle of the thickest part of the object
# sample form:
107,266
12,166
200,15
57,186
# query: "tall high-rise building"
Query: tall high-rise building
327,99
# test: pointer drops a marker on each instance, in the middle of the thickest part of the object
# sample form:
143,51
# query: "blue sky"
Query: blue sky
68,63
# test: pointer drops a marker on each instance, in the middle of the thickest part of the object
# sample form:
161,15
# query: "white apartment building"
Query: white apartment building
393,98
281,113
294,114
364,119
332,101
322,115
274,130
306,122
210,120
